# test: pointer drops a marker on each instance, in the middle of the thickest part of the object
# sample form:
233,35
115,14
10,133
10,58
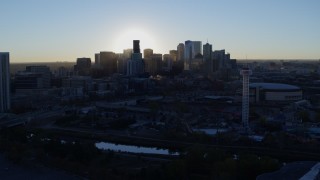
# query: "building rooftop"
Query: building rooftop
274,86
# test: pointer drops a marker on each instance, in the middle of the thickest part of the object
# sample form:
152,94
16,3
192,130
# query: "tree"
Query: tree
154,108
304,115
318,117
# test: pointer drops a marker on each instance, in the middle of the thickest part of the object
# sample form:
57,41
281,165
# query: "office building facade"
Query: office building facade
196,48
123,60
147,53
108,62
43,72
207,58
180,52
83,66
4,82
187,54
191,50
135,65
97,58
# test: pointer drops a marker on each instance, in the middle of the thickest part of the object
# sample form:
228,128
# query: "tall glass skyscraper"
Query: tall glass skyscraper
196,48
135,65
191,49
4,82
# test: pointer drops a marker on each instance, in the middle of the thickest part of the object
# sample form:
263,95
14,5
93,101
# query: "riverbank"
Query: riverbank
180,146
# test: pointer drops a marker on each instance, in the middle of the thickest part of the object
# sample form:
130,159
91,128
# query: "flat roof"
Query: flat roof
276,86
218,97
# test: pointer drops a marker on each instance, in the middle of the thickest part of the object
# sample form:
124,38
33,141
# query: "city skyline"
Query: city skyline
37,31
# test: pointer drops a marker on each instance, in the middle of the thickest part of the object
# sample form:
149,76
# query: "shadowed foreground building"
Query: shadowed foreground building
33,78
108,61
83,66
4,82
275,92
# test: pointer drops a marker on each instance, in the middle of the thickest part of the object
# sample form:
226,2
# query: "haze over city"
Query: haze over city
43,31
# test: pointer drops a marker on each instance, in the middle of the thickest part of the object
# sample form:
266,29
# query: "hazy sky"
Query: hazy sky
62,30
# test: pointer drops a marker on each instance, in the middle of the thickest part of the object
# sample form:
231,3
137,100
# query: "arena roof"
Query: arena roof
274,86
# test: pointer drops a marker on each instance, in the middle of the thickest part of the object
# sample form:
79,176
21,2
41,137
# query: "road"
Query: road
34,117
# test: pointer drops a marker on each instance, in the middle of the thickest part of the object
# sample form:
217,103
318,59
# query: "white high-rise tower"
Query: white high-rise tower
4,82
245,72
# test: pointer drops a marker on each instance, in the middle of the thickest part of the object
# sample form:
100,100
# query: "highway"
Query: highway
32,117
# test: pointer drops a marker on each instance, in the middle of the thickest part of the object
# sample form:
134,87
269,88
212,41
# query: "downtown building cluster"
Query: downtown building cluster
191,74
189,56
111,73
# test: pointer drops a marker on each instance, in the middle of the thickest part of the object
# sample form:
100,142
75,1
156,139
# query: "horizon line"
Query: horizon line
266,59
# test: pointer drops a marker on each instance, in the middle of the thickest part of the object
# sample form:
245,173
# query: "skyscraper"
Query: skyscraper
207,57
97,58
219,59
167,61
152,61
196,48
187,54
173,55
245,72
135,65
127,53
156,64
191,49
180,52
4,82
123,60
83,66
207,51
136,46
108,61
147,53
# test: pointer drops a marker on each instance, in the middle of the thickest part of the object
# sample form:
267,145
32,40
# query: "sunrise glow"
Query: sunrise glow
124,39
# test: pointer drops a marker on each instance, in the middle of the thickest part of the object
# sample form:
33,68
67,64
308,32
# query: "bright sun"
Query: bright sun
124,40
